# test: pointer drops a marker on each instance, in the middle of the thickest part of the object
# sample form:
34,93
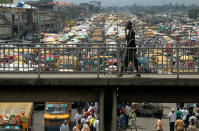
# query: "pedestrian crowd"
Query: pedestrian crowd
184,119
126,116
86,119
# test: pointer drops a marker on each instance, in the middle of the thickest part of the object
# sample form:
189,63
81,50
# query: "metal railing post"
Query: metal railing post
171,60
4,56
177,60
162,61
148,66
98,62
39,62
197,60
117,55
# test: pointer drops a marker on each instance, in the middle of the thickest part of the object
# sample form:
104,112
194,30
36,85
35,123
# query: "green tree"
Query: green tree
193,13
6,1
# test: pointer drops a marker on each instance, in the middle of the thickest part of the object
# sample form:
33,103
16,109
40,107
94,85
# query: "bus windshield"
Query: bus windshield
56,108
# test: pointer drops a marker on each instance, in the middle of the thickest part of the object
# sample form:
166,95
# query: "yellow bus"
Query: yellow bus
55,114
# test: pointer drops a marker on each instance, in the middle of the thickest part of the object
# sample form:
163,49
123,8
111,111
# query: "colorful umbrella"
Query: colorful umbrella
114,60
47,56
49,59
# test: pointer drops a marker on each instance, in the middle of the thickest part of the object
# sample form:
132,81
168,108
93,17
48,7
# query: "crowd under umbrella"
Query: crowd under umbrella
112,60
49,58
192,39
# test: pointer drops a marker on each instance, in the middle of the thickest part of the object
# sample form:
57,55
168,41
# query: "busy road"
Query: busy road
143,123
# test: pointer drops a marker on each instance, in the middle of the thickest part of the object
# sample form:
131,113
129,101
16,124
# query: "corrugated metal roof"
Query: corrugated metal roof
26,6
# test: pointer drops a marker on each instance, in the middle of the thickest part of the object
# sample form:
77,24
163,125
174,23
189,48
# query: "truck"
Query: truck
55,114
149,109
15,116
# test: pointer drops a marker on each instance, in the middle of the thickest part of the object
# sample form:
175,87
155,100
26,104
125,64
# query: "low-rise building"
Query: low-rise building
15,21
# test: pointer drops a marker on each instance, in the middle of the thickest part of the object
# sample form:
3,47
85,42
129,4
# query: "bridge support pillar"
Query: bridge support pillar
101,109
108,109
114,110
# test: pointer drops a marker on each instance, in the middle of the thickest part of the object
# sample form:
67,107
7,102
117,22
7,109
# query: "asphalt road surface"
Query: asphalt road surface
37,121
149,124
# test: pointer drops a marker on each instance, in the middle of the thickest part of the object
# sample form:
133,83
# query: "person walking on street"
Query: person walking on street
86,113
24,120
193,117
172,119
65,126
86,126
197,120
179,113
182,109
92,122
78,116
185,113
179,124
83,119
127,113
130,53
78,126
159,125
96,124
191,126
122,119
133,120
188,118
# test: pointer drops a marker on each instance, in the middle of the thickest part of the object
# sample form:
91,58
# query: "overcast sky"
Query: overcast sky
139,2
130,2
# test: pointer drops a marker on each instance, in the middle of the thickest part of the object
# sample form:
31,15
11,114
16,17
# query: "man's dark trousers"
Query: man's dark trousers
131,56
172,124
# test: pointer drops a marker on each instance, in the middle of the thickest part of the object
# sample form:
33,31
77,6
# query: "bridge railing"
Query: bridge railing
97,58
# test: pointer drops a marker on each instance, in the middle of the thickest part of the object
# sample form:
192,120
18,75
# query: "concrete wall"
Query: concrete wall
2,22
18,15
5,31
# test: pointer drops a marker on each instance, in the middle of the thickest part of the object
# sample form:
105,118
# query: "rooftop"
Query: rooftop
62,3
26,6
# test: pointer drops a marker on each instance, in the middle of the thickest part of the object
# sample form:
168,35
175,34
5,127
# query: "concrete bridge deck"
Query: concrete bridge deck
71,79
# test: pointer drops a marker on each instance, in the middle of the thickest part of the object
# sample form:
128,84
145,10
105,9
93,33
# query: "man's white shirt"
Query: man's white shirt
96,125
64,127
172,117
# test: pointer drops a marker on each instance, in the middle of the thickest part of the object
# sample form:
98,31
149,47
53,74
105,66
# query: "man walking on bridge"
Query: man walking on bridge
130,53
